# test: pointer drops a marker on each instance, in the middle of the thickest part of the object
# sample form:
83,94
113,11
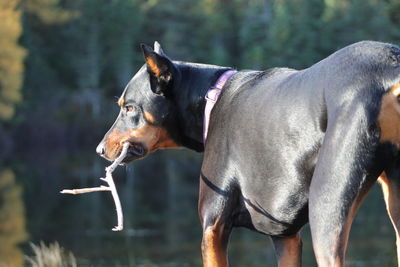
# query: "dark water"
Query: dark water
159,199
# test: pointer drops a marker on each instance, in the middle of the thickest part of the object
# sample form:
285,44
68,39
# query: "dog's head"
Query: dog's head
147,115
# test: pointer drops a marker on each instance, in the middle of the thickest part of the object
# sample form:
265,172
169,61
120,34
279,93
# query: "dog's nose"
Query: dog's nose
100,149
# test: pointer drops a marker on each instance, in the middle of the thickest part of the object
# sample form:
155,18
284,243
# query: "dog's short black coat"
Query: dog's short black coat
284,146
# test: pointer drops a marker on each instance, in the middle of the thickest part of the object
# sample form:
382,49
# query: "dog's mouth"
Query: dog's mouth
135,151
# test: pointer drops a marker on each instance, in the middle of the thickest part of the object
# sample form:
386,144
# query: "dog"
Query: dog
282,147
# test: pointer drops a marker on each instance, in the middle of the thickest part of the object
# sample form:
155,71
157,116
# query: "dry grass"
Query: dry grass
50,256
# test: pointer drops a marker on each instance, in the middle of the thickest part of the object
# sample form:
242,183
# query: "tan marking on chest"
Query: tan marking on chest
389,116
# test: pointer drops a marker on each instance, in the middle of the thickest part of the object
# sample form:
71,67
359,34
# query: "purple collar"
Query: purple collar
212,97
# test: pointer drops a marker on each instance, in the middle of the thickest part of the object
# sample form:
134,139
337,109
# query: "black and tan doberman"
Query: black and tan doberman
284,147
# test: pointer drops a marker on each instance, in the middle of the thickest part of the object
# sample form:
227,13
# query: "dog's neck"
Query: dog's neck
189,94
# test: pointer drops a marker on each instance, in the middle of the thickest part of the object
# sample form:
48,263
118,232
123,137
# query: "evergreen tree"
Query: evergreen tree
120,39
393,8
254,33
361,20
47,62
295,33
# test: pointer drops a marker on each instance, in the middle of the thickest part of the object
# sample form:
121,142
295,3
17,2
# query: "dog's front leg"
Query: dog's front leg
215,216
214,245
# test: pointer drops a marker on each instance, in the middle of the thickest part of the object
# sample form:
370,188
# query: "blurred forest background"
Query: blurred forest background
64,63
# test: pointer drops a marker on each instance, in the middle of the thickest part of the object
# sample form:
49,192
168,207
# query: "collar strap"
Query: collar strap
212,97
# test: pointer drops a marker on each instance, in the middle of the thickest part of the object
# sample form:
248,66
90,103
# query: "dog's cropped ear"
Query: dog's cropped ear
159,66
158,49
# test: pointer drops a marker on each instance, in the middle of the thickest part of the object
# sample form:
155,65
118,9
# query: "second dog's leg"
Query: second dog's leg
288,250
391,191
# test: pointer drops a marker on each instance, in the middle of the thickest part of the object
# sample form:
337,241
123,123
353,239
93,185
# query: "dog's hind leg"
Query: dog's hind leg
391,191
288,250
346,170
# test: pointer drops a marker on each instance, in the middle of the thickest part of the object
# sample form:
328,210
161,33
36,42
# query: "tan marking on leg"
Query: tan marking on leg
288,250
389,116
391,193
213,247
384,182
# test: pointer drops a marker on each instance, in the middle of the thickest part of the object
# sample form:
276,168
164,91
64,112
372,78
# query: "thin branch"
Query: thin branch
85,190
111,187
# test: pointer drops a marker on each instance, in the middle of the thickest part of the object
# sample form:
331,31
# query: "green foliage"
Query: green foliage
11,58
12,220
84,52
48,11
101,43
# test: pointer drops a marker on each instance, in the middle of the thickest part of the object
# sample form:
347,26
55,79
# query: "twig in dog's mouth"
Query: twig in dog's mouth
111,187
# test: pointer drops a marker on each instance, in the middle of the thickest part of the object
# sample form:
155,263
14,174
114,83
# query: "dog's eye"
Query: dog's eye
129,108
